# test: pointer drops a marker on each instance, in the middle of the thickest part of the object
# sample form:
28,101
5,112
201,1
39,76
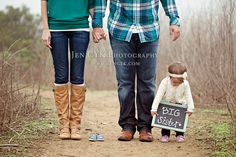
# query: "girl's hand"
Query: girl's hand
189,113
46,37
173,101
153,113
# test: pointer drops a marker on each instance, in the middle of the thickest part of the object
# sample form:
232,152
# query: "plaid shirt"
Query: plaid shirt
129,15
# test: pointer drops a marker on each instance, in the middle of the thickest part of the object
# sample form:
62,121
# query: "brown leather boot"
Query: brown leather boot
62,104
126,135
145,136
77,100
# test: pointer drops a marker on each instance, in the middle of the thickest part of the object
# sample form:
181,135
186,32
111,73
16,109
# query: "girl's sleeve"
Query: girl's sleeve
189,98
160,93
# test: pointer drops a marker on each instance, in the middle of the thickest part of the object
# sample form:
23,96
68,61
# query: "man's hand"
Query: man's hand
46,37
98,34
174,32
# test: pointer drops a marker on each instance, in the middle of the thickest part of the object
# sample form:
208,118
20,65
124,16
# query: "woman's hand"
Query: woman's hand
153,113
46,37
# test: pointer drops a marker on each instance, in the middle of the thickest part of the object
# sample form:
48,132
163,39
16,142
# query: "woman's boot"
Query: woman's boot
61,96
77,102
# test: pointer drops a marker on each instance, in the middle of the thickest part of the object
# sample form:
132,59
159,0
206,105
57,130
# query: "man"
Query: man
134,32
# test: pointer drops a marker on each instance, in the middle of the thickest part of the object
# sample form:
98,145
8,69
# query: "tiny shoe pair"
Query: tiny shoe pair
179,139
96,137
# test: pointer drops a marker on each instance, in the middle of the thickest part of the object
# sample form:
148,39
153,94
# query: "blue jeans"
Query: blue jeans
77,42
134,60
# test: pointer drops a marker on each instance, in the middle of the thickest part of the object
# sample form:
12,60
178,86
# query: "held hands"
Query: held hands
98,34
46,37
174,32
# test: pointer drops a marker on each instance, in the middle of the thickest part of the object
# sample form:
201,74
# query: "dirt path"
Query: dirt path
100,115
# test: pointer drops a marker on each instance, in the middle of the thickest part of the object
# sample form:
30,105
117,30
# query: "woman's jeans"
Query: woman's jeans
69,68
135,64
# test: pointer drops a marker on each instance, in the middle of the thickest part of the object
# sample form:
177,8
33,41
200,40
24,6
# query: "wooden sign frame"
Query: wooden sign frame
154,119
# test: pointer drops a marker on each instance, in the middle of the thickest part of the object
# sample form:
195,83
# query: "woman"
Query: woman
66,26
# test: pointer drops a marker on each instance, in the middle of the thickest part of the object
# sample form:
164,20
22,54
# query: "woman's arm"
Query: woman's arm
91,12
44,14
46,36
91,7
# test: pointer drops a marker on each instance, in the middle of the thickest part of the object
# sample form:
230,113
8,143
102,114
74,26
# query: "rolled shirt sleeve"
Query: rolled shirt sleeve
99,13
171,11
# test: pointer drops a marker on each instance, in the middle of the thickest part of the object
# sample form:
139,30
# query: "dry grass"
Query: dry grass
14,103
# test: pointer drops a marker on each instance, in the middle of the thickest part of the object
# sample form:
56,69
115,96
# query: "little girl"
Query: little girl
175,89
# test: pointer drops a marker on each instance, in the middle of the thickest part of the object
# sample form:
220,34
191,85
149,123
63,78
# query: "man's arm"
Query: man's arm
97,22
99,13
172,12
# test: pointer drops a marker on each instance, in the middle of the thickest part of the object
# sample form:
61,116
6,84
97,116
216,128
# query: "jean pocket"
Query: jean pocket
115,42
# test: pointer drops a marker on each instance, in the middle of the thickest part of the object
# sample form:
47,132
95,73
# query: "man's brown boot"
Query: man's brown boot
126,135
77,100
61,96
145,136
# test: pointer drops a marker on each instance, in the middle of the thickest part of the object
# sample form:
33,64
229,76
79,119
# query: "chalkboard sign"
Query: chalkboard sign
171,116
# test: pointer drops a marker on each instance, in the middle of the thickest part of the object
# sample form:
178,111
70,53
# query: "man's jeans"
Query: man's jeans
134,59
78,43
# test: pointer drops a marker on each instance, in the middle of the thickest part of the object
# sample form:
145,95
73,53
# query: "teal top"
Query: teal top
68,14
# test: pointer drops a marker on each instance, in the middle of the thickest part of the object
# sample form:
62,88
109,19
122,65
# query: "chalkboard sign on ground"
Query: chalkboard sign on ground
171,116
